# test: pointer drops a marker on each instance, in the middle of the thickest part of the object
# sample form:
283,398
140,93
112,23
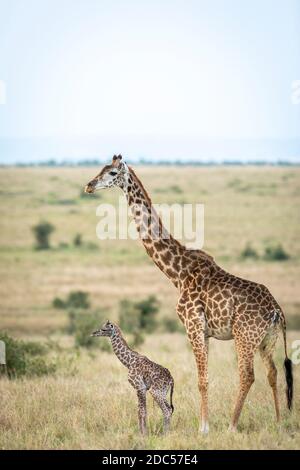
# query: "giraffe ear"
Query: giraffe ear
116,160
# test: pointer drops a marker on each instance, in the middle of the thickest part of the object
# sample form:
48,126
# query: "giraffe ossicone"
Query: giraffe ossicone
212,302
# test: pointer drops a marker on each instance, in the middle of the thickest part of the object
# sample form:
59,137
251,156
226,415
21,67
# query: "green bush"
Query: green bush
275,253
25,358
82,324
172,325
141,315
15,356
58,303
148,309
38,366
34,348
137,339
76,299
42,232
249,252
129,316
77,241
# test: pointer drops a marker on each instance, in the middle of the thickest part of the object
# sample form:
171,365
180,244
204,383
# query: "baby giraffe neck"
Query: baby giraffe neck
122,350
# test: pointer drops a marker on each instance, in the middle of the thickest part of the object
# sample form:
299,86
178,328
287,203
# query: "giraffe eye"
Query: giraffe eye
113,173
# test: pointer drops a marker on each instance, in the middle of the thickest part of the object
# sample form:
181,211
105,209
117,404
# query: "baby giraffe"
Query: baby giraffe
143,375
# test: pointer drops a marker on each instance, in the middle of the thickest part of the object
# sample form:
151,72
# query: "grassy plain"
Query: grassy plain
94,406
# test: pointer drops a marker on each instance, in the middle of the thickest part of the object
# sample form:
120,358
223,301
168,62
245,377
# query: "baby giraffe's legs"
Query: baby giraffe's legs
160,398
142,411
138,384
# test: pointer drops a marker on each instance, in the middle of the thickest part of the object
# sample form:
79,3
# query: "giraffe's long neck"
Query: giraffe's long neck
165,251
122,350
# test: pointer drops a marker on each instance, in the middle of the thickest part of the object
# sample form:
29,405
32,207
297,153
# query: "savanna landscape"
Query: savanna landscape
69,391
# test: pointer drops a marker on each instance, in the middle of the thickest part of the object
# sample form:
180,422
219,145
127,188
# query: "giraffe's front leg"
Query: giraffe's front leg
137,382
200,348
142,411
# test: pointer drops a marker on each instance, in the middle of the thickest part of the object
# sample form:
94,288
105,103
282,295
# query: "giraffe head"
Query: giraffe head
113,175
108,329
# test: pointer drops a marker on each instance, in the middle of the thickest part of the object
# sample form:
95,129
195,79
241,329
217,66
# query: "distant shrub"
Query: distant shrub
15,357
77,241
172,325
34,348
141,315
25,358
129,316
78,299
81,325
38,366
275,253
137,339
84,325
58,303
148,309
249,252
75,300
42,232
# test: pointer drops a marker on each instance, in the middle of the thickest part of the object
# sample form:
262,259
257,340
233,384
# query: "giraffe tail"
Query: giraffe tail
171,396
288,369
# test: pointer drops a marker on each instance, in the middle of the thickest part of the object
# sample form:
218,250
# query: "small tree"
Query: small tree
276,253
249,252
42,232
81,325
134,316
25,358
77,241
148,309
78,299
129,316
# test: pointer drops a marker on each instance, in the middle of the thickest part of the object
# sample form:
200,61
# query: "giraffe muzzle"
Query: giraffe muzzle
97,333
90,188
101,333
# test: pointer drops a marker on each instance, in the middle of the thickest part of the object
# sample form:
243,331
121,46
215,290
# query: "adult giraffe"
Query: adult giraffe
212,302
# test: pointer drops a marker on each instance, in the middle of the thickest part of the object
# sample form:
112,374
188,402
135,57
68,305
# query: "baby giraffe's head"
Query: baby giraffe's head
113,175
108,329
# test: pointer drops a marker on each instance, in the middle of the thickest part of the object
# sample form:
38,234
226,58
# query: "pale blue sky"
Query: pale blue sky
144,71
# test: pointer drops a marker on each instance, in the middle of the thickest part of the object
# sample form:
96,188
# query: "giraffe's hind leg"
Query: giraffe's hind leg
246,372
266,350
160,398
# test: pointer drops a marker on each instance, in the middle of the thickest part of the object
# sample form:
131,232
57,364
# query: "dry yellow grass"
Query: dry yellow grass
96,408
